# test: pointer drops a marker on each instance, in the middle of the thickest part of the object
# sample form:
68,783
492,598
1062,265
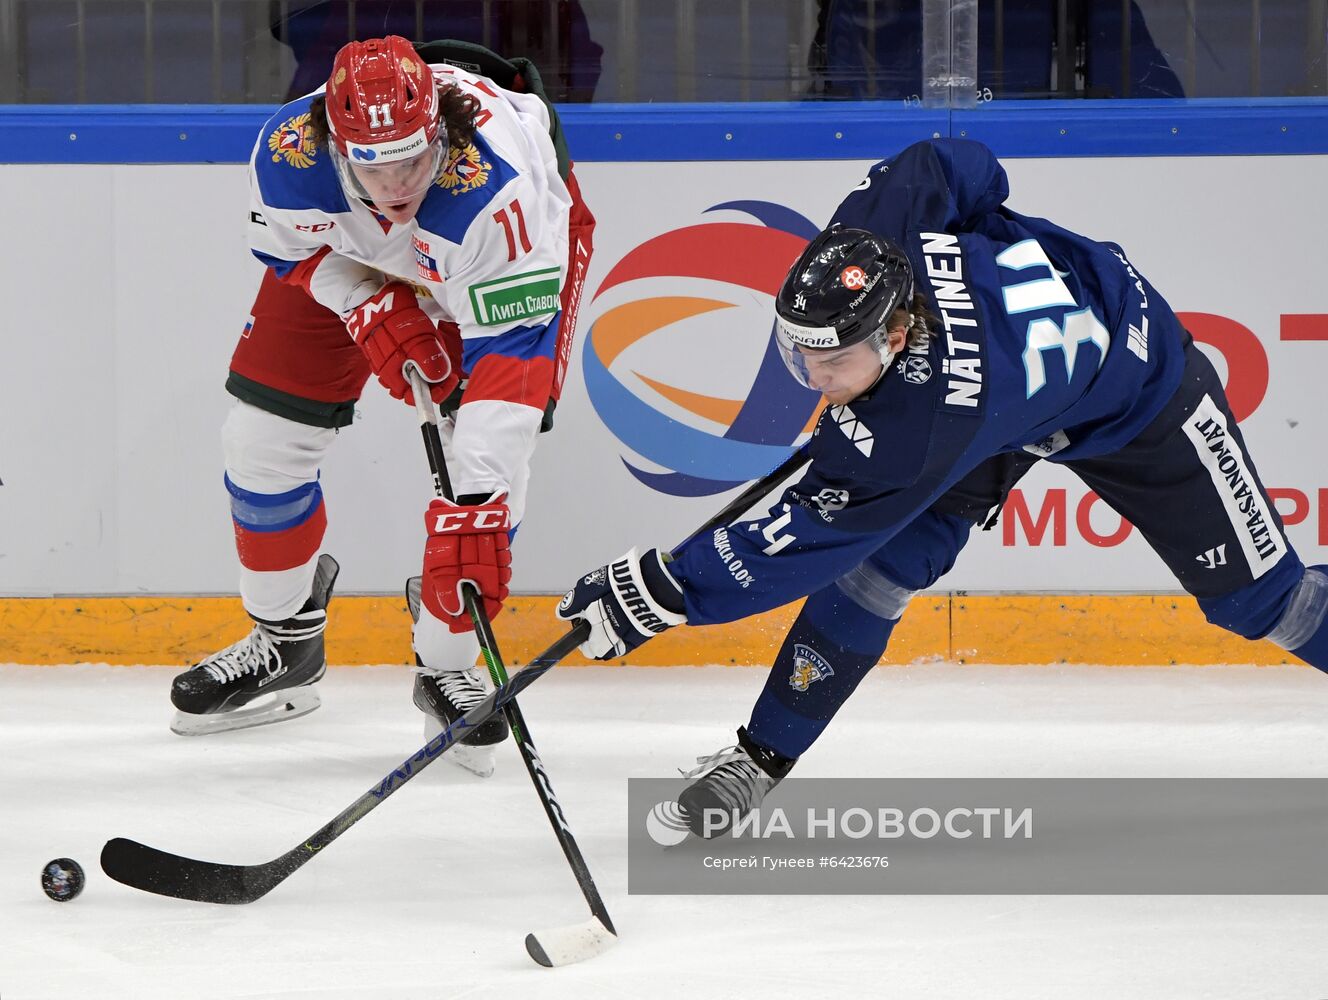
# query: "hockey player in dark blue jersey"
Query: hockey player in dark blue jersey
957,343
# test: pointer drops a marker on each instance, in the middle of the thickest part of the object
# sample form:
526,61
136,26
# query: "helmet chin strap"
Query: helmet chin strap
888,357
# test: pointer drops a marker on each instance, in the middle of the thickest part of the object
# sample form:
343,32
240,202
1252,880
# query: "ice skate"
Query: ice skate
730,784
446,695
266,677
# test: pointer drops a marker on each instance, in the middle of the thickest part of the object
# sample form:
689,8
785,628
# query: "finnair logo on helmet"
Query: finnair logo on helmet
388,152
809,336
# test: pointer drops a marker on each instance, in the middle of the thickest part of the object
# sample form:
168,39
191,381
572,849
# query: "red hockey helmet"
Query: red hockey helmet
382,112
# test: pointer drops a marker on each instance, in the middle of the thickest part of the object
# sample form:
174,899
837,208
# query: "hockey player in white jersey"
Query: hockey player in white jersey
415,212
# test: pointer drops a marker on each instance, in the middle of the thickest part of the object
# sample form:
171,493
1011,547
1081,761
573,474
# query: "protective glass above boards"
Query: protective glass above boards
935,53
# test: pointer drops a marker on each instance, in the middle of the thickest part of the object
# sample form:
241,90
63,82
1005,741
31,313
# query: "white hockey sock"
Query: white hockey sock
276,596
439,648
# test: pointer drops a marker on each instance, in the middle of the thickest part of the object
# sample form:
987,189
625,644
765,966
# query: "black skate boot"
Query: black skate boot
731,784
446,695
281,659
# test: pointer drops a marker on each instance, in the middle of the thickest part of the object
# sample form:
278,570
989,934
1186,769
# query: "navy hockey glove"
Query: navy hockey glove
624,603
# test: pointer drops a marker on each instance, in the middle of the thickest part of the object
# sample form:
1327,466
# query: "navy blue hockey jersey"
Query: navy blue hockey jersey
1046,341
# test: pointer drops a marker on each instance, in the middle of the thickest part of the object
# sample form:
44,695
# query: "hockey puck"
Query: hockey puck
62,879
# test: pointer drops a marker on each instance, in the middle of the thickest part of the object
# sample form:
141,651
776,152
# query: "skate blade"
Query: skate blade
279,707
479,761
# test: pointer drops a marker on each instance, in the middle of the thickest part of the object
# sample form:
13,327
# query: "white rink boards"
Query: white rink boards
116,478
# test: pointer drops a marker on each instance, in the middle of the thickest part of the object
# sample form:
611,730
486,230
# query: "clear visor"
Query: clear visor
391,183
827,369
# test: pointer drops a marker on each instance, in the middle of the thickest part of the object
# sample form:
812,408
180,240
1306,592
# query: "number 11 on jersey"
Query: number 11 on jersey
505,220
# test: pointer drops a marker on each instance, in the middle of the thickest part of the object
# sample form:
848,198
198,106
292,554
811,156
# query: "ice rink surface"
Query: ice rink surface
432,894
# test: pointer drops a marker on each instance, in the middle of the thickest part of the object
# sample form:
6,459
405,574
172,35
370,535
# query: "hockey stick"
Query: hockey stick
557,945
152,870
142,867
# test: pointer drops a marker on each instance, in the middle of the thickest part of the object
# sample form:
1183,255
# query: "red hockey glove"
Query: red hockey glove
467,543
392,329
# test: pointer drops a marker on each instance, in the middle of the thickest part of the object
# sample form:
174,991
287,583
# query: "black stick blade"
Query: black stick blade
141,867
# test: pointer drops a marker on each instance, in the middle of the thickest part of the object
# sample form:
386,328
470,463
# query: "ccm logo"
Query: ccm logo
361,316
371,307
484,520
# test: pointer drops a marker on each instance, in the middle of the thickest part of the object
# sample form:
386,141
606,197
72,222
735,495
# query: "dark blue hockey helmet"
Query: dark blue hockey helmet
841,291
847,281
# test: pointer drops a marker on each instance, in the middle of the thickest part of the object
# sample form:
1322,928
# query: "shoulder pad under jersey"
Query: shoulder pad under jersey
469,181
292,171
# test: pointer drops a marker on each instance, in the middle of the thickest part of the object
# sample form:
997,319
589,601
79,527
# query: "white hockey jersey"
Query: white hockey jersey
487,251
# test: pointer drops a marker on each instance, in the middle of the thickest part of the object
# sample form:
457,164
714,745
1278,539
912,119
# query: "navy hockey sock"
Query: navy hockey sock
828,651
1288,606
1315,651
1303,628
1256,609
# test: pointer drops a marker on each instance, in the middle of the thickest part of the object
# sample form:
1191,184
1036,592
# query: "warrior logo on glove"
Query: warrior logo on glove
638,604
625,603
